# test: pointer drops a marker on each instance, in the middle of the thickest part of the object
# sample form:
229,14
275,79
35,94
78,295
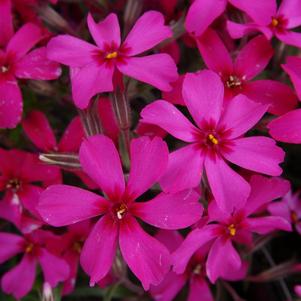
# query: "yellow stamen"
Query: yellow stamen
232,230
212,139
112,55
29,248
275,22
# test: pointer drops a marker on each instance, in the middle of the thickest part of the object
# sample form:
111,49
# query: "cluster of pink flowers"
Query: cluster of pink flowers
159,179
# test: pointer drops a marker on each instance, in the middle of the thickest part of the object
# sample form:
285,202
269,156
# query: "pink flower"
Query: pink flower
93,67
287,128
147,258
19,174
16,62
70,249
226,228
36,123
194,273
216,138
19,280
293,68
265,17
289,208
297,290
237,75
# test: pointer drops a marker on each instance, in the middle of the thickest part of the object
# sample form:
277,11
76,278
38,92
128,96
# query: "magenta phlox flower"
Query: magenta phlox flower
265,17
289,208
20,172
93,67
19,280
194,273
216,138
16,62
237,75
147,258
224,229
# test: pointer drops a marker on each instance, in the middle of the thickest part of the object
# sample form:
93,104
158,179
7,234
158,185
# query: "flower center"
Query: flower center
77,246
121,211
274,22
233,82
111,55
197,270
212,139
4,69
29,248
13,184
232,230
294,217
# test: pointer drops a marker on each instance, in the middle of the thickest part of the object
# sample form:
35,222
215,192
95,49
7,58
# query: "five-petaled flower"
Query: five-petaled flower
147,258
216,138
93,67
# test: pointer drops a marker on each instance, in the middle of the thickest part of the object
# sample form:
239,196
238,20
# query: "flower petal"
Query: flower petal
237,30
203,93
89,81
229,189
171,211
290,38
201,14
24,39
158,70
169,118
214,52
146,257
72,137
175,95
70,51
280,209
293,69
35,65
267,224
170,239
253,57
11,245
260,11
217,263
11,104
106,32
6,22
184,169
100,160
62,205
36,123
264,190
291,9
148,31
241,114
195,239
287,128
277,95
199,287
99,249
55,269
168,288
149,158
260,154
20,279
